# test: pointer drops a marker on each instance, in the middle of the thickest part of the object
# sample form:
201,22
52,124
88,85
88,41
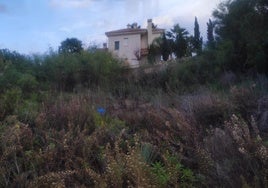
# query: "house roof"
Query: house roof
130,31
157,30
127,31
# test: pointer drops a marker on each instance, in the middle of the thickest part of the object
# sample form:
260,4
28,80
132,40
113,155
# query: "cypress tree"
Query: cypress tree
197,40
210,35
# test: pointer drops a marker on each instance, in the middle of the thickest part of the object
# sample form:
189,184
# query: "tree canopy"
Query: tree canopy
197,39
242,27
71,45
210,35
165,48
180,39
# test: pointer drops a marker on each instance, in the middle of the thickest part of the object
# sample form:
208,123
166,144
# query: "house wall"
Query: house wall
127,48
156,35
144,41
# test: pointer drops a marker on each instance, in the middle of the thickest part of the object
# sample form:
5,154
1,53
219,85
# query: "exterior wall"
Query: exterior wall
156,35
144,41
127,48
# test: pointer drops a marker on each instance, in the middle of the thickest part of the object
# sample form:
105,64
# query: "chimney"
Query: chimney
150,31
150,21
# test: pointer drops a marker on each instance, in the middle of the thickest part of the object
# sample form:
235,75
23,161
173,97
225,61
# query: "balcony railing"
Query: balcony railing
144,51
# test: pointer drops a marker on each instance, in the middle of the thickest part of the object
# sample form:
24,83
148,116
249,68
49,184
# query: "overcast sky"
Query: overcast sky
32,26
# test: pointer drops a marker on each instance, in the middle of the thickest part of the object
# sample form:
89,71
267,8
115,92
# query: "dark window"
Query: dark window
116,45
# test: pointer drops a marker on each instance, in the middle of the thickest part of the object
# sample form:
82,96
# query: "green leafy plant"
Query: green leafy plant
161,175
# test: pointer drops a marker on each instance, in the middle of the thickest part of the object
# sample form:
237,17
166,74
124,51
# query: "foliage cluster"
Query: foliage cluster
70,144
193,122
241,28
236,37
194,140
176,42
26,81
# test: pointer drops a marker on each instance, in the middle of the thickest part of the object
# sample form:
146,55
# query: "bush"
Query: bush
244,100
27,83
190,74
161,175
9,101
210,111
66,71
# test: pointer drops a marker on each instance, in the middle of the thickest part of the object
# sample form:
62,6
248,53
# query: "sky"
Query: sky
35,26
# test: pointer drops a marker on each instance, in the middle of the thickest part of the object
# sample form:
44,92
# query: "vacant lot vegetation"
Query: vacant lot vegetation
83,120
78,118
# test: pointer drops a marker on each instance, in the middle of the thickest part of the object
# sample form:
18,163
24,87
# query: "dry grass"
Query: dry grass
71,145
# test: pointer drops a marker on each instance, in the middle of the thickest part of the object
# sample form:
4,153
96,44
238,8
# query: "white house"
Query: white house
131,44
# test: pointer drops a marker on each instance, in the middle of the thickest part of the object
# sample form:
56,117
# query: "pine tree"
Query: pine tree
242,25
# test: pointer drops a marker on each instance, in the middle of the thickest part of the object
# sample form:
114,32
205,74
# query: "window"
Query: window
125,41
116,45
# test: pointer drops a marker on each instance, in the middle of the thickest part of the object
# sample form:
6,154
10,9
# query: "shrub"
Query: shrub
209,111
27,83
206,109
27,111
244,100
66,71
161,175
16,147
10,100
66,111
231,150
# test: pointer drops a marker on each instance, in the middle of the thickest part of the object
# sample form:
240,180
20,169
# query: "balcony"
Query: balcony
144,51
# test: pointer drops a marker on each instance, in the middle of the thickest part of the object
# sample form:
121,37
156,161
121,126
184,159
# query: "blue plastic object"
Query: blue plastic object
101,111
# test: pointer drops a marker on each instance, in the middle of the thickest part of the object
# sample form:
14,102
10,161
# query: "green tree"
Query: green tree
180,39
210,35
243,24
71,45
154,50
160,46
165,48
13,68
197,39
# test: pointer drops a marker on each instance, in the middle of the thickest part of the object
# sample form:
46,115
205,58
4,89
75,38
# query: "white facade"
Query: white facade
128,46
131,44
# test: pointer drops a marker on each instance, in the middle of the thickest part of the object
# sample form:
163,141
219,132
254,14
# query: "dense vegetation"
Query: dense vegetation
77,118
